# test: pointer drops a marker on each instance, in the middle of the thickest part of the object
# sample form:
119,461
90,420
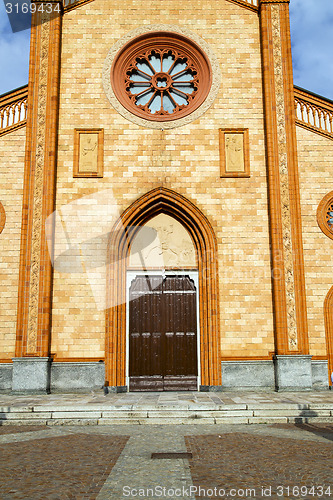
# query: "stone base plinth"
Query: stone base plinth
293,373
319,375
251,375
31,375
81,376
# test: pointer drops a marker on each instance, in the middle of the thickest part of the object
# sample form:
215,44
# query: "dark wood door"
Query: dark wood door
162,334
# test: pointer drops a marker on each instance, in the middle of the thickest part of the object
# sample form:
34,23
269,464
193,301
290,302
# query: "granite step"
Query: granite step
106,414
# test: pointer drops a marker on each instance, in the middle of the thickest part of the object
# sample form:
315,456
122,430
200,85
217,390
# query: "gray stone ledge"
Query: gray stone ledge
319,375
248,375
31,375
117,389
210,388
77,377
293,372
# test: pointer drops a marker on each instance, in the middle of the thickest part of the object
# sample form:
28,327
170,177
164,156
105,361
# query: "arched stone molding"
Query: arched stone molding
323,215
2,217
158,201
328,315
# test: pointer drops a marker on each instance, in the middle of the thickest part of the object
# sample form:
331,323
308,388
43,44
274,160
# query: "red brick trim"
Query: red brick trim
328,315
2,217
295,203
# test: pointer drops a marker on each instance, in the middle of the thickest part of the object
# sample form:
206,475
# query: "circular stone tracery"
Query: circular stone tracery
161,76
329,217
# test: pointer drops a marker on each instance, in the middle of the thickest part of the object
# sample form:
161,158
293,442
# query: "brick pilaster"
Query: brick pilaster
291,334
34,303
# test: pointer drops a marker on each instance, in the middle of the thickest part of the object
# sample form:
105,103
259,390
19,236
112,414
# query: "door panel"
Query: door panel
162,331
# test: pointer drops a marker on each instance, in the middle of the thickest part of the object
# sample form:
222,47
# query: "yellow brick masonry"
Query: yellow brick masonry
12,149
184,159
315,154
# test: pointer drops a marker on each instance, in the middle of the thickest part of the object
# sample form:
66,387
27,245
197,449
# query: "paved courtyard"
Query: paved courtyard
115,461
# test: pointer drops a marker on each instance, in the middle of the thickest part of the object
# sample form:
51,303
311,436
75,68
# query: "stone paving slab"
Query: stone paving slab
36,469
113,462
245,462
23,416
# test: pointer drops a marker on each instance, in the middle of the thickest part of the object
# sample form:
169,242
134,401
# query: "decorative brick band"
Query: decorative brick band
38,190
291,335
284,179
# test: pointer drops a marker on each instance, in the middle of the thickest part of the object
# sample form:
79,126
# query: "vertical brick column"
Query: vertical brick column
34,303
291,334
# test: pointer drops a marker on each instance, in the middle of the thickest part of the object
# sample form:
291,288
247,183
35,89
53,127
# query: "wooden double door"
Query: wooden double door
163,333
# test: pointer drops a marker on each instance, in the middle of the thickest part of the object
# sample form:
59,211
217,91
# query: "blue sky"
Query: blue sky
312,42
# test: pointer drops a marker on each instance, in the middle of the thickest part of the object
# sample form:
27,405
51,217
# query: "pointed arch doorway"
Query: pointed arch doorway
167,202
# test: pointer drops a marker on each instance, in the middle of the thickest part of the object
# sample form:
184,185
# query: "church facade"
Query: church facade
166,207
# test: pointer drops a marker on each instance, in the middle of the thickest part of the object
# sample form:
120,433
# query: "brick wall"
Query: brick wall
185,159
12,148
315,167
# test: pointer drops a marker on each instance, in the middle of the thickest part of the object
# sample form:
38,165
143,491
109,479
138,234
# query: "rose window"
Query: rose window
163,82
161,76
